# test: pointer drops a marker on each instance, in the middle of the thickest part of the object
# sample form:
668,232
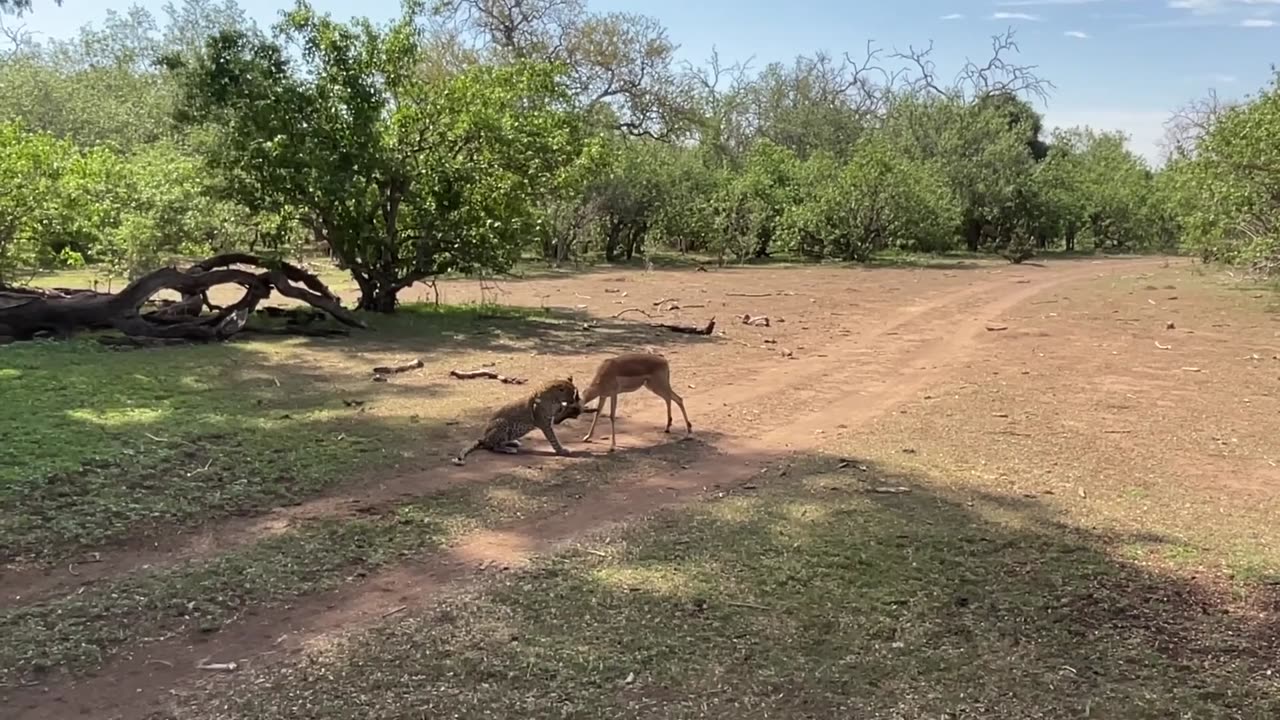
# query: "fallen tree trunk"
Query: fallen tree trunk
27,314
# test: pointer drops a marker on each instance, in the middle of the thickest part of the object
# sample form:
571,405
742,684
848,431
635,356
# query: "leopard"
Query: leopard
549,405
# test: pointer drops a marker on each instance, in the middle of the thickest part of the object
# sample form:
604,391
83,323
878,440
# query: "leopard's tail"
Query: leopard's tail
461,458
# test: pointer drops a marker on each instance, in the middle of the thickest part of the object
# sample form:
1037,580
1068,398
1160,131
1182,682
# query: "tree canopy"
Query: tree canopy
464,135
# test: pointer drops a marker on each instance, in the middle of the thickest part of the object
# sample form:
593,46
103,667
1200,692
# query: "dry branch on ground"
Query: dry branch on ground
688,329
488,374
394,369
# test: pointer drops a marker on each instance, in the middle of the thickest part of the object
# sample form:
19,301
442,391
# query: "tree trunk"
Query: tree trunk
379,299
612,240
762,244
972,234
635,238
377,292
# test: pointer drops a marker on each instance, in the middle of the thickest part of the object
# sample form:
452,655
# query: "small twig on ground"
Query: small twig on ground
749,295
393,611
665,300
620,313
220,667
757,320
1163,347
753,606
488,374
393,369
201,469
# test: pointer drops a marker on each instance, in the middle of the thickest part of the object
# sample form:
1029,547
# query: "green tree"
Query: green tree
984,158
41,223
751,203
1229,188
403,178
881,198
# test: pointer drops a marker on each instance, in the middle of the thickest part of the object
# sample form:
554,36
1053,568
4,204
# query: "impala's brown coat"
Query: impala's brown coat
627,373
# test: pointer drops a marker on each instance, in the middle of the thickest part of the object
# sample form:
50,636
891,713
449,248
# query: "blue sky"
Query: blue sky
1117,64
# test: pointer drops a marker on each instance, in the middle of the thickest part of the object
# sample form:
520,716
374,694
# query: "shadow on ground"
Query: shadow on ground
822,591
425,329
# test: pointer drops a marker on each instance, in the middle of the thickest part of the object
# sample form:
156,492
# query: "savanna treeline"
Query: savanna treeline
468,133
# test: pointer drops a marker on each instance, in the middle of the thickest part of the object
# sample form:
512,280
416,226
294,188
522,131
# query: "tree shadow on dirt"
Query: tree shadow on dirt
837,589
546,331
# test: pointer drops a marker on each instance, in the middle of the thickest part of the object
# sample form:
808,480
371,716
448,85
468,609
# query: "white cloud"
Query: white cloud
1198,7
1219,13
952,16
1077,34
1219,7
1015,16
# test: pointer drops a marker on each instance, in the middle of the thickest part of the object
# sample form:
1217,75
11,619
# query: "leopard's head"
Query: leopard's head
570,405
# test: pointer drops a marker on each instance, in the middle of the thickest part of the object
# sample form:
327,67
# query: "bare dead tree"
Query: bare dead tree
1190,123
18,38
996,76
619,60
715,101
873,82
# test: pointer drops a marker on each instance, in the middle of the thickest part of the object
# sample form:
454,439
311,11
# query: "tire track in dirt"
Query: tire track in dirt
136,682
769,376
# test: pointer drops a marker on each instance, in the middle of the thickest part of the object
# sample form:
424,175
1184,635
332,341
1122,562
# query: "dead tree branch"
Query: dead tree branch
488,374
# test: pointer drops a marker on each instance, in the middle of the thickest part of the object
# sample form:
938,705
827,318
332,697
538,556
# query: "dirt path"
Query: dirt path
896,360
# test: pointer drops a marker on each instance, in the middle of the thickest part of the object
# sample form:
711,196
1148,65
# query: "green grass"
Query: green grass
78,631
104,444
809,597
99,442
